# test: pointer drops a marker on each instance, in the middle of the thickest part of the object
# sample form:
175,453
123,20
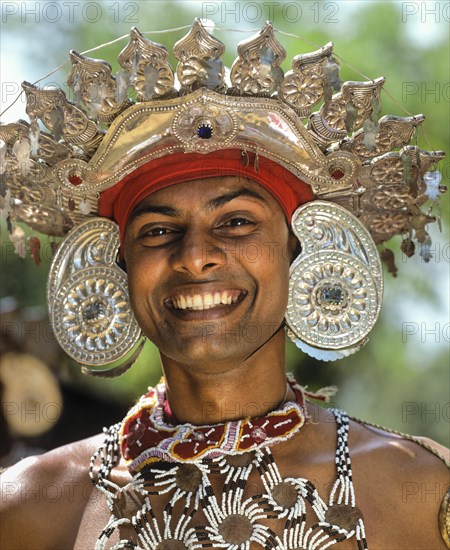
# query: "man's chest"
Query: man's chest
383,530
248,508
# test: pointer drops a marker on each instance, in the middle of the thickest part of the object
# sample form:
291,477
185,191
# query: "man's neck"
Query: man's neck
203,394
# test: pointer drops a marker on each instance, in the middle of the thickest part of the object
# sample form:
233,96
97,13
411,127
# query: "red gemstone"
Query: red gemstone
75,180
337,174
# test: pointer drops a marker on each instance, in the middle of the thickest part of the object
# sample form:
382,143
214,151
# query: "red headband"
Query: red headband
118,202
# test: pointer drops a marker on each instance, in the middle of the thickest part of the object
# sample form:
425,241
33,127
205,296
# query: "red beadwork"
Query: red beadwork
149,434
198,436
258,434
135,433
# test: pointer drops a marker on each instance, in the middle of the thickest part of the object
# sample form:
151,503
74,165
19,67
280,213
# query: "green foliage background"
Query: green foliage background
400,379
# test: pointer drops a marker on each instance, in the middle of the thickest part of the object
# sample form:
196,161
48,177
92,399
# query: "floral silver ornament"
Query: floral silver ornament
205,127
88,301
336,283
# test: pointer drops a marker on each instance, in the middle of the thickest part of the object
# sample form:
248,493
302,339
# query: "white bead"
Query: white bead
84,207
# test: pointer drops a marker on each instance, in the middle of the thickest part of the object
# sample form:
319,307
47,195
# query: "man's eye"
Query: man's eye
156,233
237,222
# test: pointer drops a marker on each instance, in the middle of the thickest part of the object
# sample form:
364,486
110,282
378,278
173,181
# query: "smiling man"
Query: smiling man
200,296
193,263
224,224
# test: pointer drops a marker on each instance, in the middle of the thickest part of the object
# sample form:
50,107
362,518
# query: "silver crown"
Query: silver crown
51,181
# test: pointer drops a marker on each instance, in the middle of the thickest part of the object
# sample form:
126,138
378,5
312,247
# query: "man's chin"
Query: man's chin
206,353
214,344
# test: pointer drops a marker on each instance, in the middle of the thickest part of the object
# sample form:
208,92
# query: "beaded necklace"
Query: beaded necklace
219,486
147,436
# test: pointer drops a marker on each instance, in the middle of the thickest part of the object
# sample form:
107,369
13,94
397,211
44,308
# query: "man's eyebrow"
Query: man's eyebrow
154,209
211,205
217,202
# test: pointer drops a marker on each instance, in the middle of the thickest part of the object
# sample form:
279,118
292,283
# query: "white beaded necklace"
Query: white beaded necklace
208,502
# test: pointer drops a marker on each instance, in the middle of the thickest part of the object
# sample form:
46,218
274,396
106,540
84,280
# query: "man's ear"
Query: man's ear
294,246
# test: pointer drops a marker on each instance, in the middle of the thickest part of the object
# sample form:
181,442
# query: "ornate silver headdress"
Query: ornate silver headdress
360,164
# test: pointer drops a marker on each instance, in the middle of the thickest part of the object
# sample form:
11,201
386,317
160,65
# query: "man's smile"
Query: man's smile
205,300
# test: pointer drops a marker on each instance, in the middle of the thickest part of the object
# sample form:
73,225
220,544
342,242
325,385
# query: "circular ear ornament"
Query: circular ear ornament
335,284
87,296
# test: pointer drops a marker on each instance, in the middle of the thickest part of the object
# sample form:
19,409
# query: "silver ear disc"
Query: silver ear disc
88,300
336,283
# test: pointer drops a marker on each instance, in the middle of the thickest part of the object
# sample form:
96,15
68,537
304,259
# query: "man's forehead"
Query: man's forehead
206,192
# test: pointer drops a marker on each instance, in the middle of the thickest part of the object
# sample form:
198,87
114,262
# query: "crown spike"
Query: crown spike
393,132
355,99
95,87
145,67
199,64
257,70
304,85
61,117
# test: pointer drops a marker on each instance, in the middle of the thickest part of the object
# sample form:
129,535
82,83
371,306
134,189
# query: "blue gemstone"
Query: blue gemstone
93,312
204,131
331,295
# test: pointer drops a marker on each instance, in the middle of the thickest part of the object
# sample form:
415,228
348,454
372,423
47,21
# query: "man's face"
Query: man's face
208,264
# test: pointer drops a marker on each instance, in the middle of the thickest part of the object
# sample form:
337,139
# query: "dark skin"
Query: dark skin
213,242
198,241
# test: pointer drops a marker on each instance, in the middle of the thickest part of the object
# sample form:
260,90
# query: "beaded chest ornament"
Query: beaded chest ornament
219,486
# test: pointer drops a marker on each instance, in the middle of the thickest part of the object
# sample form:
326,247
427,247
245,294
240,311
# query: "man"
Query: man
225,453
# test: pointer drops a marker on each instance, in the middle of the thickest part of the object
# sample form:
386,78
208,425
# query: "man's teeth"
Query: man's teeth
205,301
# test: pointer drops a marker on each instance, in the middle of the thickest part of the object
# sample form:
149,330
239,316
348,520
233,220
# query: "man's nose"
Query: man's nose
197,253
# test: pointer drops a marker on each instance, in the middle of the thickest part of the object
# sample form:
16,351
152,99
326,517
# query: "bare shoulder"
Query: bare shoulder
43,497
402,483
400,454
